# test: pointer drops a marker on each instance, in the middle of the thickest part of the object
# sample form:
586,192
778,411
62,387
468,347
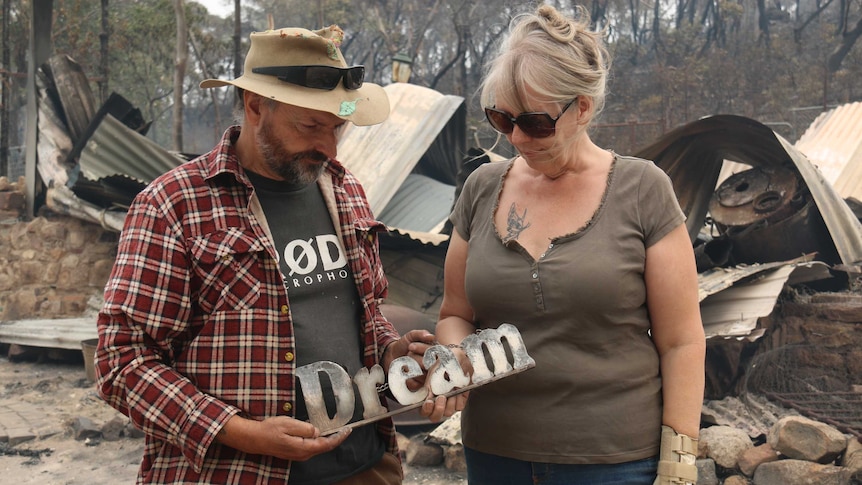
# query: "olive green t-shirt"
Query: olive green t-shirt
594,395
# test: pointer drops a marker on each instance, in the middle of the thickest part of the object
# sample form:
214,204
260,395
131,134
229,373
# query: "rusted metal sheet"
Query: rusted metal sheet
693,155
833,143
383,155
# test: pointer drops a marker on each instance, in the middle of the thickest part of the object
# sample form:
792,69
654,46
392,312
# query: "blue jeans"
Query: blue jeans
485,469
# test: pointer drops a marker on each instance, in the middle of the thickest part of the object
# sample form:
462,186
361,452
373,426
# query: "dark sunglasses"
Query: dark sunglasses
535,125
317,77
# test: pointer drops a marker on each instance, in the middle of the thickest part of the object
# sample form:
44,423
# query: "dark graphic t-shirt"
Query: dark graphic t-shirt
324,306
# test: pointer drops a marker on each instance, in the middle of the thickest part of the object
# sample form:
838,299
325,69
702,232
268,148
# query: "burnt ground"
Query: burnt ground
50,399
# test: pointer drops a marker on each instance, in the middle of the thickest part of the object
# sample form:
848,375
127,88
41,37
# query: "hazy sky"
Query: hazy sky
222,8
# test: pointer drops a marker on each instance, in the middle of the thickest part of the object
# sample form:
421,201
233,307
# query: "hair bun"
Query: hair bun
557,25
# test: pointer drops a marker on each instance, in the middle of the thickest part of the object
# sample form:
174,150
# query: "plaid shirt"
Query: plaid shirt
196,325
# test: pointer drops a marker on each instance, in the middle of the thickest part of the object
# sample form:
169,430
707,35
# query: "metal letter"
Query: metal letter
367,381
492,339
446,376
342,388
400,370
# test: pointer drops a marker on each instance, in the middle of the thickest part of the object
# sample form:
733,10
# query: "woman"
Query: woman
586,252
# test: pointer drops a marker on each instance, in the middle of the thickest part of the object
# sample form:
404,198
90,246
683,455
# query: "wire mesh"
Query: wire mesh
811,379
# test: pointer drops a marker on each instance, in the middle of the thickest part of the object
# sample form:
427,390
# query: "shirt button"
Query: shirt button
284,309
288,356
287,407
535,275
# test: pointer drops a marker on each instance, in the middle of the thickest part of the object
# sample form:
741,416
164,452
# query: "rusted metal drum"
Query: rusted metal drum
755,196
769,215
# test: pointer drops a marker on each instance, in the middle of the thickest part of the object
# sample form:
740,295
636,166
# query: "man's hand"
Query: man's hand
412,344
280,436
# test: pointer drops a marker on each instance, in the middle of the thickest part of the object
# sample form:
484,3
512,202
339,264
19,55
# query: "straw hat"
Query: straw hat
367,105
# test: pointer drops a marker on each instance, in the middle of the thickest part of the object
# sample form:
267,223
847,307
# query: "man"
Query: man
246,263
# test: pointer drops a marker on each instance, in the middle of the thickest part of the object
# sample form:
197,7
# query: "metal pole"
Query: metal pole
5,99
40,50
103,54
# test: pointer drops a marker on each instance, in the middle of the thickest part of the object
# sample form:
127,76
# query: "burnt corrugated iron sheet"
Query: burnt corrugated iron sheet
382,156
420,204
115,149
693,156
833,143
732,300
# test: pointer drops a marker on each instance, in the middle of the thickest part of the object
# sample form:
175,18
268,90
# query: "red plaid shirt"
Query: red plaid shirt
196,325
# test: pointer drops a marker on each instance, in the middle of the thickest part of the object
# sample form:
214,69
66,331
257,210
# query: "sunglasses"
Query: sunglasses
317,77
535,125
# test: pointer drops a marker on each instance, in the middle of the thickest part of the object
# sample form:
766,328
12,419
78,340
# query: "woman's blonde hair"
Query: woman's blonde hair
550,58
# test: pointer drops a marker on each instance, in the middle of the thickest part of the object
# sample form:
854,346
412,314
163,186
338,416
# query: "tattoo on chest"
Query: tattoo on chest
515,223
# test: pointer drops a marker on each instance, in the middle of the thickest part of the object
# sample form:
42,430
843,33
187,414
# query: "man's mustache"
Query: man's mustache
311,155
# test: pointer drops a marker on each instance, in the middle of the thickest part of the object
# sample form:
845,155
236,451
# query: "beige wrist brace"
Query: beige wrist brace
676,465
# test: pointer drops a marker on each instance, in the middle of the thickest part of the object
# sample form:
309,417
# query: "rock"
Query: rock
798,472
735,480
724,444
131,431
801,438
751,458
85,429
403,443
852,459
113,429
453,458
420,453
706,472
449,431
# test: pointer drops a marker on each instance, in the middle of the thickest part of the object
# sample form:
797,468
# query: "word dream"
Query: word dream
446,378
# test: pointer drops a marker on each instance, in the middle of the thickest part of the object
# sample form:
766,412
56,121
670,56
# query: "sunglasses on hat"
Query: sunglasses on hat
317,77
535,124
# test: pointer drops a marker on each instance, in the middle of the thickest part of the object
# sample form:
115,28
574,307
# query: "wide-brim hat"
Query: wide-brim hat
367,105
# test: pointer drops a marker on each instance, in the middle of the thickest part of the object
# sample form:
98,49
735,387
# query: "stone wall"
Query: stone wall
52,266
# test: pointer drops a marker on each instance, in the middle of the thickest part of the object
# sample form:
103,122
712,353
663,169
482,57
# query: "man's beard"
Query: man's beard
292,167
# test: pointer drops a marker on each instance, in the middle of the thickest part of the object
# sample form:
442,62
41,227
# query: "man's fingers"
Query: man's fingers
300,429
304,448
423,336
335,439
